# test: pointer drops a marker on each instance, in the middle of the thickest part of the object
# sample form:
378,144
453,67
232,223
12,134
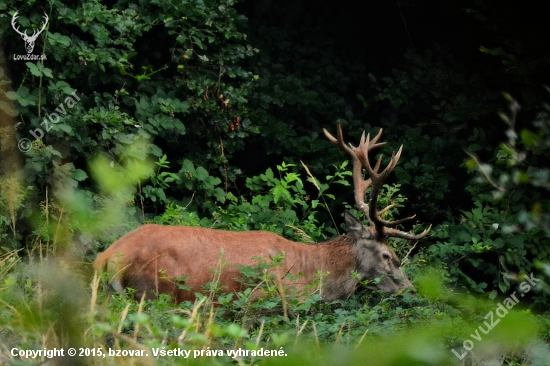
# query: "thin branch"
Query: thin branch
406,28
487,175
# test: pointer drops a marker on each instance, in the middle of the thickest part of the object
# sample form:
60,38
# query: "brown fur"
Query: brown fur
144,256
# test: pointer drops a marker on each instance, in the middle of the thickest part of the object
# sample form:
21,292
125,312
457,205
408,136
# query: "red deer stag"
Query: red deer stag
150,257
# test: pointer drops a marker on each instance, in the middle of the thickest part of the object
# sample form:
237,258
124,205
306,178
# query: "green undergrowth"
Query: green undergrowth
52,303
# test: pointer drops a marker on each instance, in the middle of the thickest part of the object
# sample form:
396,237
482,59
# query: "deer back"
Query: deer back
149,258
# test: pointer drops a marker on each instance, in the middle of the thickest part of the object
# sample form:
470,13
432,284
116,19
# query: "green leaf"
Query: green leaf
198,42
79,175
65,128
33,68
55,37
25,98
529,139
201,173
187,166
12,95
279,191
219,194
47,72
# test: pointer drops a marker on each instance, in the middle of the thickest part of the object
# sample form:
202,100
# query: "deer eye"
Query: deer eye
386,256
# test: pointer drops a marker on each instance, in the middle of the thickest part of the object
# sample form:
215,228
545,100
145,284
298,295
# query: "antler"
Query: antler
13,19
360,185
45,23
25,35
360,158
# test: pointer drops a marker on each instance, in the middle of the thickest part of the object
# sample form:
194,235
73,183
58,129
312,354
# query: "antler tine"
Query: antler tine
393,223
366,144
375,139
13,24
46,18
378,163
363,154
360,185
381,226
340,140
34,33
386,228
403,235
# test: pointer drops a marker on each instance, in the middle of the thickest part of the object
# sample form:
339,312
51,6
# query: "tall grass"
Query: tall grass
49,303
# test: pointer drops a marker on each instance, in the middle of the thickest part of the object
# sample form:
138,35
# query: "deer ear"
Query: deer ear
356,227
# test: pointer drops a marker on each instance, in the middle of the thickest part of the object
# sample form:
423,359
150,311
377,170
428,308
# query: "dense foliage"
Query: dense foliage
191,113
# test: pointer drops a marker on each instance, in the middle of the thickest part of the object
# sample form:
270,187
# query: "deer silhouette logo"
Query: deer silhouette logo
29,40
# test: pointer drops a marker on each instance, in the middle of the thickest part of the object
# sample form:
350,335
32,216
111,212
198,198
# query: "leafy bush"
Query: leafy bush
500,239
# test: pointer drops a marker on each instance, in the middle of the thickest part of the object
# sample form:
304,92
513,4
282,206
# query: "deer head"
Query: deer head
29,40
382,261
